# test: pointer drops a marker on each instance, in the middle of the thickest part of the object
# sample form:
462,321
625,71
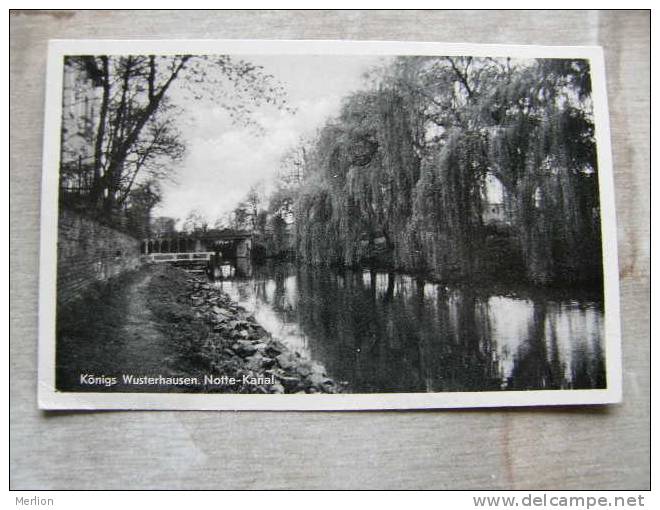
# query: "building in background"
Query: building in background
81,99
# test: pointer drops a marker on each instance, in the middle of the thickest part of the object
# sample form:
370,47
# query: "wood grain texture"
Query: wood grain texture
544,448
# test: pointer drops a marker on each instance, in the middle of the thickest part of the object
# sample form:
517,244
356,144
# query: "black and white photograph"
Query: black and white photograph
326,225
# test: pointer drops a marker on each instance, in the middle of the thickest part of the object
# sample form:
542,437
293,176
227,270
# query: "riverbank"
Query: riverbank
161,329
219,338
109,333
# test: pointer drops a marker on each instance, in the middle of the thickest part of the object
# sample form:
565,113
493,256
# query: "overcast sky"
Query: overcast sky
222,160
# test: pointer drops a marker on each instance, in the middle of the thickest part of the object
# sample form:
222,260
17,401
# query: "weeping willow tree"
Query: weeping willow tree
447,216
362,174
403,171
543,150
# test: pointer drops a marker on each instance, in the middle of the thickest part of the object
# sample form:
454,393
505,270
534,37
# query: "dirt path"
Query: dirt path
163,326
114,334
144,350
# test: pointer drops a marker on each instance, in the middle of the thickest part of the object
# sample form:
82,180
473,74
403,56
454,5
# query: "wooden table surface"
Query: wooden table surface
542,448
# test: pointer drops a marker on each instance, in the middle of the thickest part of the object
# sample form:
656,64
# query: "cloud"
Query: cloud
224,160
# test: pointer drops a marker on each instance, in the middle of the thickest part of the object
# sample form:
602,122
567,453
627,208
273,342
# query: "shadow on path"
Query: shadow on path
110,333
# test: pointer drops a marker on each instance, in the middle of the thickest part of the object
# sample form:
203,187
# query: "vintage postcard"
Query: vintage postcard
326,225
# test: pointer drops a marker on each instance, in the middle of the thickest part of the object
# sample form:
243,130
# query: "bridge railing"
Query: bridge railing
199,256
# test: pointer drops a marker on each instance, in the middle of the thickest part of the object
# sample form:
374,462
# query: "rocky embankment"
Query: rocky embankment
236,346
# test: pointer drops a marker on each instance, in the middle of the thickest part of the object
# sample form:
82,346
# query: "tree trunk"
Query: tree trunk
115,168
97,187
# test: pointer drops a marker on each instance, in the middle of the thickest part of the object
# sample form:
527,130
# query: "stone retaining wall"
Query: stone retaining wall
89,252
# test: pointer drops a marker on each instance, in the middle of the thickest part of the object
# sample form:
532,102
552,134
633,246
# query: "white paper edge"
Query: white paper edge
49,398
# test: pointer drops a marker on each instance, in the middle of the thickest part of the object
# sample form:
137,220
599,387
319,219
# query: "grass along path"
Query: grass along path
112,332
162,322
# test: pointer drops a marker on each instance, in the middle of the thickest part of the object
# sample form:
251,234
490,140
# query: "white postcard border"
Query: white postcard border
51,399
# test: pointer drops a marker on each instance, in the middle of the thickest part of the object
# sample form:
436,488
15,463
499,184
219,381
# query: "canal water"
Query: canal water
381,332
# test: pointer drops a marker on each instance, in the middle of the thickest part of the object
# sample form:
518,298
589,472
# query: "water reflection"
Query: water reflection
239,268
385,332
